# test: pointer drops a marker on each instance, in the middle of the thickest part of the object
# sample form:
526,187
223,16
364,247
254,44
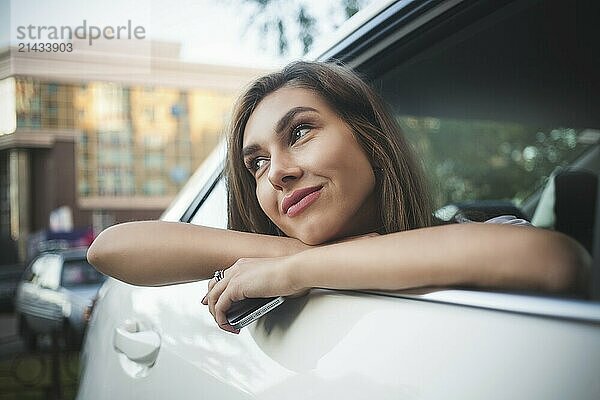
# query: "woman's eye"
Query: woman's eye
255,164
300,131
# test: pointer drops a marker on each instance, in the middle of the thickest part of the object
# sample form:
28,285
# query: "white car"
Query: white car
55,292
515,79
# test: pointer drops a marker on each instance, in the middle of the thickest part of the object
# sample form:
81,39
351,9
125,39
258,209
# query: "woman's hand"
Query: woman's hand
257,278
249,278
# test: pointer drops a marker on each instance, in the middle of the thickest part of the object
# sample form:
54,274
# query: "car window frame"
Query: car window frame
202,195
540,305
417,15
532,304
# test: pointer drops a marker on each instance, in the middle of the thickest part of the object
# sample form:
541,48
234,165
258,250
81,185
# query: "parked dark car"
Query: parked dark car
54,294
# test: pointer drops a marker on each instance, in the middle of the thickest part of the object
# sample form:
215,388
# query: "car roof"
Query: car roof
343,36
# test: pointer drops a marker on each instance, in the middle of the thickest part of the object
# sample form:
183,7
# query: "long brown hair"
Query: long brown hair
403,198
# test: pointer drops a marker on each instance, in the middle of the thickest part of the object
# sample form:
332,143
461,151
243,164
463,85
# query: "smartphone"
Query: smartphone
241,313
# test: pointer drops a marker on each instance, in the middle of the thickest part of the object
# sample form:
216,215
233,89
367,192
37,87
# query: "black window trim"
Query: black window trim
203,194
397,21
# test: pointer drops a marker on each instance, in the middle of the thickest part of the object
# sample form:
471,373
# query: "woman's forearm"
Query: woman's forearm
481,255
159,252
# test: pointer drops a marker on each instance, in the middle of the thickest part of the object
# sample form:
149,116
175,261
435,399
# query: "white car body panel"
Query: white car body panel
339,343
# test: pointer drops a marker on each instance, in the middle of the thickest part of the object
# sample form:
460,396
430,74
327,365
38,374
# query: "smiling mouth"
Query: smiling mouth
303,203
297,195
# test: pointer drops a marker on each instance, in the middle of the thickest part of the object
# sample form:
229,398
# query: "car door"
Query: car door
452,67
164,343
349,344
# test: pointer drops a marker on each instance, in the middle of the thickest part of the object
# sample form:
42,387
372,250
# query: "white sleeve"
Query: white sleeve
508,219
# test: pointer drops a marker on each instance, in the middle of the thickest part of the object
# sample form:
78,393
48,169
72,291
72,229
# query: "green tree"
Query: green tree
485,160
276,19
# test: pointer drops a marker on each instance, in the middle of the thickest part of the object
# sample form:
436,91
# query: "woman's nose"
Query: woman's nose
283,170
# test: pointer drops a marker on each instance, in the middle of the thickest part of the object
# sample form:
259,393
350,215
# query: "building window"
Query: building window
154,187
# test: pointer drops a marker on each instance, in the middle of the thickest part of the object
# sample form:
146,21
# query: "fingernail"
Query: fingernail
231,329
202,301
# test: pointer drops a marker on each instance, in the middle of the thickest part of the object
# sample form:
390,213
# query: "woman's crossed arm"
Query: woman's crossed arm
475,255
153,253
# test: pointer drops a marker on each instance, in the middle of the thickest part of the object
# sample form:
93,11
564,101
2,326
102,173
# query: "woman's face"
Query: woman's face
295,144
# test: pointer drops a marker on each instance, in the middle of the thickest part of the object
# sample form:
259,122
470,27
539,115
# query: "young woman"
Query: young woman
324,191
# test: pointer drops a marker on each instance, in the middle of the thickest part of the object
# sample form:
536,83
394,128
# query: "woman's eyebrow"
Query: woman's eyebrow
283,123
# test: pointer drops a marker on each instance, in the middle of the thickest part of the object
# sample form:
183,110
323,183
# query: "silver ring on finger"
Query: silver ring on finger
220,274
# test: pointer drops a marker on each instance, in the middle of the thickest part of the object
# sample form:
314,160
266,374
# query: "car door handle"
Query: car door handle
141,347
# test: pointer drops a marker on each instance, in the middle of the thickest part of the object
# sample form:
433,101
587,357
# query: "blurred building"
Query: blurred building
111,134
